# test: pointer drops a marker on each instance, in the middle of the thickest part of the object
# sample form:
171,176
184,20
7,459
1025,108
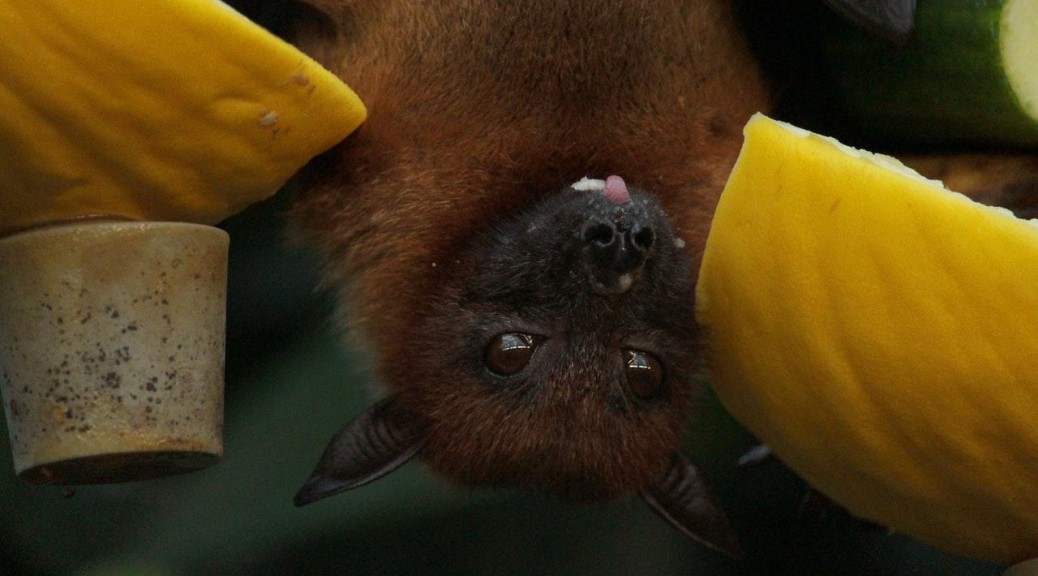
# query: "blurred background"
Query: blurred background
291,382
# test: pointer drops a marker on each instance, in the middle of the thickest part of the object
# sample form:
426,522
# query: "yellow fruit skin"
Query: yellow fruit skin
881,336
160,110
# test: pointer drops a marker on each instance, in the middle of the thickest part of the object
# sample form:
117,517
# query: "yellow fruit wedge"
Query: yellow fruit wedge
162,110
880,333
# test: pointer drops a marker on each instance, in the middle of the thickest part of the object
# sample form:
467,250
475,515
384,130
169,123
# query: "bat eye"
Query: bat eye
644,374
509,353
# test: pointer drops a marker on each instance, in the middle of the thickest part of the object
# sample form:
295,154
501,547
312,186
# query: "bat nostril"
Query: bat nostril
600,234
643,238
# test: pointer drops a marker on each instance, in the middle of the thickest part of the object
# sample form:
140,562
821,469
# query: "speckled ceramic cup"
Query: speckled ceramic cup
112,349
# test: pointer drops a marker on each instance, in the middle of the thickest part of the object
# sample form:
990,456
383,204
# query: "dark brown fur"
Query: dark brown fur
478,109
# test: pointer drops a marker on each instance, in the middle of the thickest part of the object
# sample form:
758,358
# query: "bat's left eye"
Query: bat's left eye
644,374
509,353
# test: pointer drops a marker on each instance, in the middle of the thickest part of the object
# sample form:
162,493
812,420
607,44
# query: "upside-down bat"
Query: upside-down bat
516,230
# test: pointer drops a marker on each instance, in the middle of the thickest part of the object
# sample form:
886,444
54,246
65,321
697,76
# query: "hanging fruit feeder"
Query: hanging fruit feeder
128,130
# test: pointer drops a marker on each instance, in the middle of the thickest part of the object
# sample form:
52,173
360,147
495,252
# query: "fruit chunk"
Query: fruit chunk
880,334
161,110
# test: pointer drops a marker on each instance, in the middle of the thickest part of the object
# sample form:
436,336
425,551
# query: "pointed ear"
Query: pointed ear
682,498
892,20
368,447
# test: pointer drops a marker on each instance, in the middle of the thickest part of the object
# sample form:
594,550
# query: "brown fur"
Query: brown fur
479,108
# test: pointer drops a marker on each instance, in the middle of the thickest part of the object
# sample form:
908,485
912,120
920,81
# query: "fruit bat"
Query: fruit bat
516,230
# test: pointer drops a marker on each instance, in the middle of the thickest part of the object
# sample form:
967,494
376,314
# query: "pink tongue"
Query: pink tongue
616,190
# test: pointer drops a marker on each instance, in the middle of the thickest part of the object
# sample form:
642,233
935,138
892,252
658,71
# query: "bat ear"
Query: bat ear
892,20
367,448
682,498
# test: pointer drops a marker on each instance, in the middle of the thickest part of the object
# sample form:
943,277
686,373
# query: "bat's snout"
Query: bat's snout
615,252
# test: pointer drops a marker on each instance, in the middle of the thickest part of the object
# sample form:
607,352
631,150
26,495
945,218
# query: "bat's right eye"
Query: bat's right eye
644,374
510,352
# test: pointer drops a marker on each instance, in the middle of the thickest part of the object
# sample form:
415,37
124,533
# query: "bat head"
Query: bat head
558,350
562,352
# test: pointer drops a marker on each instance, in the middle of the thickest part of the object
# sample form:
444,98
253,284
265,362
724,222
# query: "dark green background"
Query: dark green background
290,384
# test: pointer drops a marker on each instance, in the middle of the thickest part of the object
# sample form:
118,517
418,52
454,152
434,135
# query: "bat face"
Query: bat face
561,350
555,349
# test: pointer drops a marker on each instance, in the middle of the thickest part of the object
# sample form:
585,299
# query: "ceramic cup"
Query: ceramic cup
112,349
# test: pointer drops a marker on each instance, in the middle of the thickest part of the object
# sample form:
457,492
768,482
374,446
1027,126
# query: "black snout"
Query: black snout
615,252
